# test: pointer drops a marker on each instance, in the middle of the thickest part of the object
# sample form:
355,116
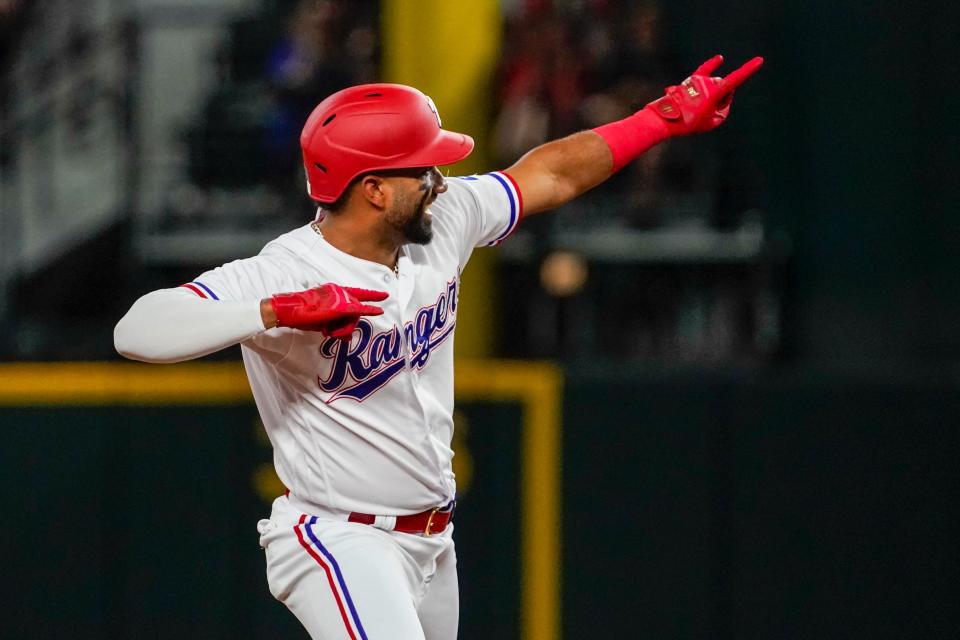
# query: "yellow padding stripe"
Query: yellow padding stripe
538,387
104,383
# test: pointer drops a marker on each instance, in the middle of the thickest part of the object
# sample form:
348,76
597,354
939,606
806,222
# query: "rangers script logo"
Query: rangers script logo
369,361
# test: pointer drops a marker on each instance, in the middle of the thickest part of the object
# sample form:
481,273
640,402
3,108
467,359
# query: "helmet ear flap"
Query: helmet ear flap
314,173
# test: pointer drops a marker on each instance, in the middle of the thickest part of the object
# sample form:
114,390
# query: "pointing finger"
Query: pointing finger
709,66
738,77
367,294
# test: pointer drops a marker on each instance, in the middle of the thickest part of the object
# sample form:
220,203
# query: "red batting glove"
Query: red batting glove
701,102
331,309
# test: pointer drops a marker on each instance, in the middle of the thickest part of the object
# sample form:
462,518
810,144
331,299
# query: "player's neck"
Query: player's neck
362,238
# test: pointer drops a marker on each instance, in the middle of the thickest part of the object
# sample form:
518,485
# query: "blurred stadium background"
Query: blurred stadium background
719,397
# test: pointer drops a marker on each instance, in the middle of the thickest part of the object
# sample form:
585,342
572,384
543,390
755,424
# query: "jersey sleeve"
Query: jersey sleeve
488,208
172,325
248,279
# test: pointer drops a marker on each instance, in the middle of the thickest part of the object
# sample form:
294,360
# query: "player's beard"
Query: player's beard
409,216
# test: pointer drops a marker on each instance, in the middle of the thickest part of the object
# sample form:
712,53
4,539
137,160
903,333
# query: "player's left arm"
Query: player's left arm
556,172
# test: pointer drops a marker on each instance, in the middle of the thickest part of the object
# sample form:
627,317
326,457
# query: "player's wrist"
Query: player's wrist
268,314
632,136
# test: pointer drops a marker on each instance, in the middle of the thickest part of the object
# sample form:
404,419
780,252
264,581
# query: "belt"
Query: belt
425,523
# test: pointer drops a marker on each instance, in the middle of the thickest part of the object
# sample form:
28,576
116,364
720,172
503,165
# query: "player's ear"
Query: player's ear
373,189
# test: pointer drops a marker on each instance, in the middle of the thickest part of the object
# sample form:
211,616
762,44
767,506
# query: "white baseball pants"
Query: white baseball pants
351,581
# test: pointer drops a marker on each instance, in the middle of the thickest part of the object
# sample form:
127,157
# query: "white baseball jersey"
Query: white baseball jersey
366,426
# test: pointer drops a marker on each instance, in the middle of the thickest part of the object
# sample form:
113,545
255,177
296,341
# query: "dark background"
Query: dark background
762,507
857,164
694,506
810,492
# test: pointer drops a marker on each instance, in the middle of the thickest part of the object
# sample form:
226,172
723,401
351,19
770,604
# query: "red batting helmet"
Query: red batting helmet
372,127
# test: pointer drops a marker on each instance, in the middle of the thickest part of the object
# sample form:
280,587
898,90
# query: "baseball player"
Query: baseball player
346,326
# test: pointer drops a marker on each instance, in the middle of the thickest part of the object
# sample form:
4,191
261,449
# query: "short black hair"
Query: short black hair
337,205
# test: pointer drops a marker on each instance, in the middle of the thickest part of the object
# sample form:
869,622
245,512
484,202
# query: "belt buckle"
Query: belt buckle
426,530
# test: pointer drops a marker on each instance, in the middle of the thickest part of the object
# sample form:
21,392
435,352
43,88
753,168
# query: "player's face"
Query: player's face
414,192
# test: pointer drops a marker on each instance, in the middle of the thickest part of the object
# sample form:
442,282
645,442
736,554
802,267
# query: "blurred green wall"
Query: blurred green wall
804,505
140,522
699,506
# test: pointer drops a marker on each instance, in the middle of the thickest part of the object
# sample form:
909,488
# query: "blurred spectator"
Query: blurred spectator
572,66
9,11
304,67
273,70
7,7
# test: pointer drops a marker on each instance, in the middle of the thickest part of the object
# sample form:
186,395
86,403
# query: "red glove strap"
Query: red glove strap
288,308
630,137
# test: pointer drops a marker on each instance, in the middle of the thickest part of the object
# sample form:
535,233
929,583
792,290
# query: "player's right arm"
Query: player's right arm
232,304
490,206
172,325
556,172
